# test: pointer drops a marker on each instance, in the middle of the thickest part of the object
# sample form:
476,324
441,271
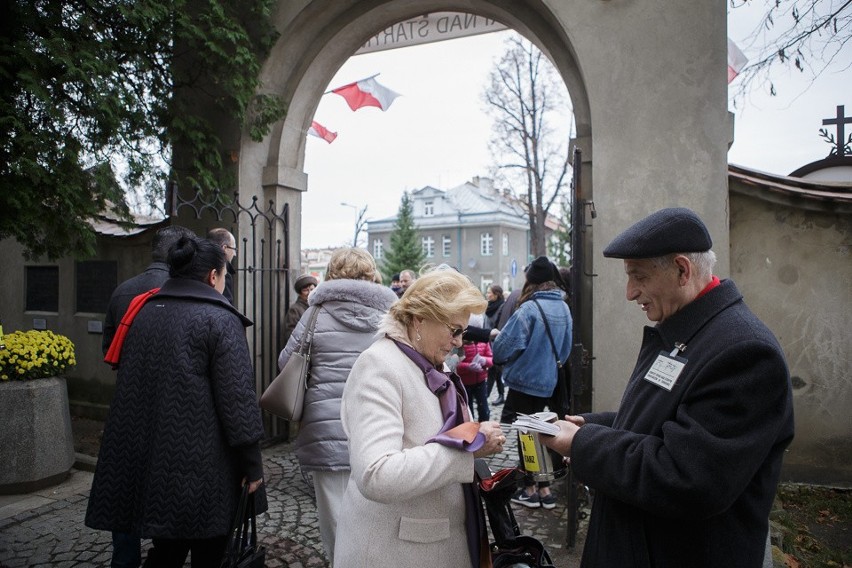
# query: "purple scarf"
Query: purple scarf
457,432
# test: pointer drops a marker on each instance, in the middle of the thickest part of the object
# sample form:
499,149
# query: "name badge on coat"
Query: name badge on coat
665,370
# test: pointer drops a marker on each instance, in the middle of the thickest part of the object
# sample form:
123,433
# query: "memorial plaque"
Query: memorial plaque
96,279
42,283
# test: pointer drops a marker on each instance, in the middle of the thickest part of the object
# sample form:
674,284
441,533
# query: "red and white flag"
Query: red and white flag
736,60
321,131
366,92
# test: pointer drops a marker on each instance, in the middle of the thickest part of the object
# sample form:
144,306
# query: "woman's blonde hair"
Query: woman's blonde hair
352,264
438,295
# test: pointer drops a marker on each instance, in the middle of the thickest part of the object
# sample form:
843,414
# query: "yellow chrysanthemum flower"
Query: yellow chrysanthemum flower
35,354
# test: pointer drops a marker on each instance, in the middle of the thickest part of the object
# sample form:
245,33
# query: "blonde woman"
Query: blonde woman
351,307
410,498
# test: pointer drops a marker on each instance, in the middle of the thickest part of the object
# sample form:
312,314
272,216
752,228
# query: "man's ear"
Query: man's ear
684,269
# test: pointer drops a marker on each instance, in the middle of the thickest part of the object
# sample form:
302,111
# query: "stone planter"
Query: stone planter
36,443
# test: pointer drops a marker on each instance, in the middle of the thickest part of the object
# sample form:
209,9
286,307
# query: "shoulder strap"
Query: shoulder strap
549,335
308,336
114,353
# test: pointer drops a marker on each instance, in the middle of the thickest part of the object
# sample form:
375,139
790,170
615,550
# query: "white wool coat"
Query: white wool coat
403,505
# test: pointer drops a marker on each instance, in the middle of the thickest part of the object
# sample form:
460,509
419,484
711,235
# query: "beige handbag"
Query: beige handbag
285,396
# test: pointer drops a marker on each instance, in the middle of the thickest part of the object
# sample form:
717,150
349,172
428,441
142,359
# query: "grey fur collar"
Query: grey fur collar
359,291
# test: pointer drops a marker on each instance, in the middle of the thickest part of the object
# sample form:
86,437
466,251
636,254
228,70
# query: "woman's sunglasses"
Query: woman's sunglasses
456,331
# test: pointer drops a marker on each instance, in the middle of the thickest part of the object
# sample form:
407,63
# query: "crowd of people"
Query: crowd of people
397,407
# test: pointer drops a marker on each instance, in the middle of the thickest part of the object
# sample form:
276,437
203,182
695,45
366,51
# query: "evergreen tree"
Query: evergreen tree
405,251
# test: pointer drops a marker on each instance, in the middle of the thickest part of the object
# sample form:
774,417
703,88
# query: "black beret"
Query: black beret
672,230
303,281
541,270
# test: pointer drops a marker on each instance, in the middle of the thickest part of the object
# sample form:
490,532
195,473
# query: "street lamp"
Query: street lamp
360,221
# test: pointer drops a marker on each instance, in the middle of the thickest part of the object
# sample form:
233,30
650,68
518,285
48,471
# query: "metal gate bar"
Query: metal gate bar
262,273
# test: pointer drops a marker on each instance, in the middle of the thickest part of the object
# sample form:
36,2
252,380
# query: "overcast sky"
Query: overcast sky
437,133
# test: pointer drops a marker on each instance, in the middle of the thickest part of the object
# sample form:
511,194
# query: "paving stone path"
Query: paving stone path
45,528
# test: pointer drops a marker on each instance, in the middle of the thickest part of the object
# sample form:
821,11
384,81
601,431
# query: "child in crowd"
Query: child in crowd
473,370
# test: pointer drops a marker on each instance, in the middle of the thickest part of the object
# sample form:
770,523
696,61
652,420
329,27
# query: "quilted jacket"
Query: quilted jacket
351,311
153,277
184,424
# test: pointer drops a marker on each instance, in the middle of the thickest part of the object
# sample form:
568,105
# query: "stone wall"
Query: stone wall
793,267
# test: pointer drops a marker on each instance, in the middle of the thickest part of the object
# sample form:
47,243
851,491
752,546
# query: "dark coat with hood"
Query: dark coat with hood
686,478
184,426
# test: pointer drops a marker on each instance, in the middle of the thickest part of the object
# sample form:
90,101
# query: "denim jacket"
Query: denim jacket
523,347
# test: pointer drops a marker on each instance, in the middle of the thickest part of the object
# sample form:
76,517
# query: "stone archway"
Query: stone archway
617,61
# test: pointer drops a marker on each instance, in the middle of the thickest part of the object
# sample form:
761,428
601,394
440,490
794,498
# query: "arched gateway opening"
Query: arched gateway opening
317,40
651,78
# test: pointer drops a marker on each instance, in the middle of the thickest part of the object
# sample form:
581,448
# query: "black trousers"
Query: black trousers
171,552
495,377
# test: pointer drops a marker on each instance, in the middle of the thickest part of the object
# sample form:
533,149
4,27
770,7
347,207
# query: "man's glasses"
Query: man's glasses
230,247
456,331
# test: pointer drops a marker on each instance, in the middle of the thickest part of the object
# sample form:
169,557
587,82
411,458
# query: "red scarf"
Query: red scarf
114,352
713,283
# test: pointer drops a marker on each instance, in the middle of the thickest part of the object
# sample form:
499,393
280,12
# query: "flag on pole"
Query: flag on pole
366,92
321,131
736,60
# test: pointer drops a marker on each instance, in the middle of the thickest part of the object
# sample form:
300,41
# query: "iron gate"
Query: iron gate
579,362
261,289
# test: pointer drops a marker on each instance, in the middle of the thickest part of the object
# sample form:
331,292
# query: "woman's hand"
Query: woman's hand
494,439
253,485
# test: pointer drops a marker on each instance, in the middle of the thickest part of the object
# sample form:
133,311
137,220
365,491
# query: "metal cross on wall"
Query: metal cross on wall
841,121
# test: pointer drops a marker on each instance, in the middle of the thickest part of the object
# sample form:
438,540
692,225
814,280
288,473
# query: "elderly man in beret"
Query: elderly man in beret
304,285
686,471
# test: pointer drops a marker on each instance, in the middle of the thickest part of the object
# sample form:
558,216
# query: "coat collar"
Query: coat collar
684,324
394,330
360,291
157,265
197,290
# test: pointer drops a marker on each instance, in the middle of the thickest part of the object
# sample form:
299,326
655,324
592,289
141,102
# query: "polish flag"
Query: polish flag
366,92
736,60
321,131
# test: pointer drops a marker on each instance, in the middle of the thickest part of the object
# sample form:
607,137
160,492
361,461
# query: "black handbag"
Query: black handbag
242,550
522,552
510,549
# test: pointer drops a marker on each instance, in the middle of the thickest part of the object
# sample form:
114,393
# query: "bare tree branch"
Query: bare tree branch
808,35
527,101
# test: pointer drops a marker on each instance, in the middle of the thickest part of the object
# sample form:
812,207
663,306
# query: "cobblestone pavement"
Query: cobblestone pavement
45,528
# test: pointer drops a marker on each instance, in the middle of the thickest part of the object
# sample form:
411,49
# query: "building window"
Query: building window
96,279
378,251
428,208
447,244
486,244
42,283
485,282
505,244
428,247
